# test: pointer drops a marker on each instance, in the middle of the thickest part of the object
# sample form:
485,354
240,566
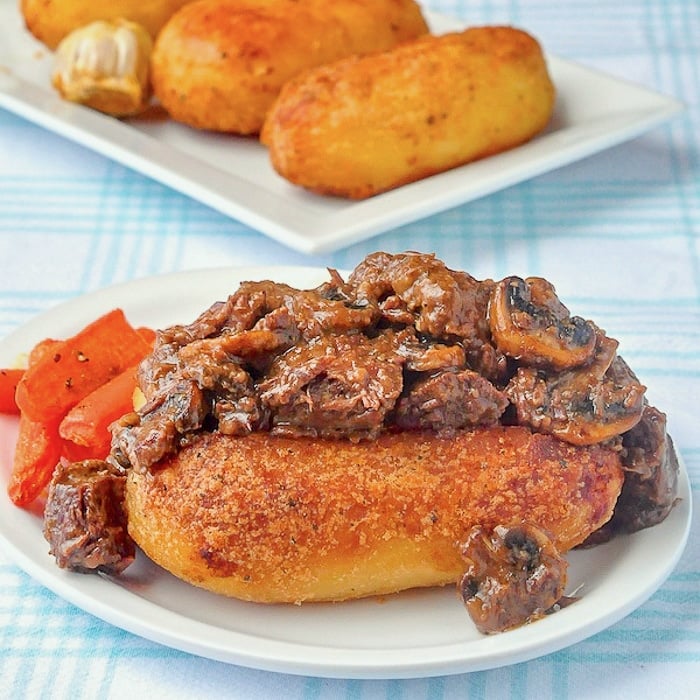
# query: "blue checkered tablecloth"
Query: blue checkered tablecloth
617,233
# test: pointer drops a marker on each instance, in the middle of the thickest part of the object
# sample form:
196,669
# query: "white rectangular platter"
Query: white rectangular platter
233,174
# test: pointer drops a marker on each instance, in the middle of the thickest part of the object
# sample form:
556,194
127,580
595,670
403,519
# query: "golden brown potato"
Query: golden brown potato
51,20
219,64
276,519
365,125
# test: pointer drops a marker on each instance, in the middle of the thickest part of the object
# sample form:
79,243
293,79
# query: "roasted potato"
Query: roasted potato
364,125
285,520
52,20
219,64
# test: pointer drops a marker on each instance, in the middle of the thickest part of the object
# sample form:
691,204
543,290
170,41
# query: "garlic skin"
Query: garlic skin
105,65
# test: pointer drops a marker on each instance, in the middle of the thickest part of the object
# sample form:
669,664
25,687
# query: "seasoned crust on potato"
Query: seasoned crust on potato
52,20
365,125
219,64
274,519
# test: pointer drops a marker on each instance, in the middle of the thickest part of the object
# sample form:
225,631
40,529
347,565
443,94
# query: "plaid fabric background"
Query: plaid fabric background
618,234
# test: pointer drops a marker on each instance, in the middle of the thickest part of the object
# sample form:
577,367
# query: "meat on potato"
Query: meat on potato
219,64
365,125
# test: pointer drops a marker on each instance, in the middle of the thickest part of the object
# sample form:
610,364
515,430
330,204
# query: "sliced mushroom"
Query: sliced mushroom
514,575
530,324
583,406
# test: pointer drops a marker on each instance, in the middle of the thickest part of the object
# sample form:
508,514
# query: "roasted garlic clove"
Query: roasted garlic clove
105,65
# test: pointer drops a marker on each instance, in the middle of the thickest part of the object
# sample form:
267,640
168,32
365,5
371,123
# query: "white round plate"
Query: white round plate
413,634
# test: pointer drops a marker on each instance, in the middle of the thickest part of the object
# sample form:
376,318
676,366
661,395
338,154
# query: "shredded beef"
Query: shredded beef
334,385
440,302
330,362
405,343
449,400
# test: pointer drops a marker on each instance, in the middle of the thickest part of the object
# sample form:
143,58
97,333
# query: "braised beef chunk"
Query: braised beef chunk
84,518
334,385
647,495
450,400
141,440
441,302
650,488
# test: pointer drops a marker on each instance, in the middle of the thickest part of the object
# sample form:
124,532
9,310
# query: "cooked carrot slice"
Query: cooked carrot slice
148,334
87,423
78,365
63,375
44,348
37,452
78,453
9,379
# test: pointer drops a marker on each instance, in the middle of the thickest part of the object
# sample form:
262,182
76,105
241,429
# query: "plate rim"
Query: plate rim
282,655
284,218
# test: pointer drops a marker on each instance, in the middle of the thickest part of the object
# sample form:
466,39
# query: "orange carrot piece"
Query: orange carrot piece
77,453
44,348
148,334
9,379
78,365
37,452
87,423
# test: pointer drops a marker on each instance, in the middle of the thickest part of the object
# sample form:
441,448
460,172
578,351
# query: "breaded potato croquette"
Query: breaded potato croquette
365,125
52,20
219,64
277,519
